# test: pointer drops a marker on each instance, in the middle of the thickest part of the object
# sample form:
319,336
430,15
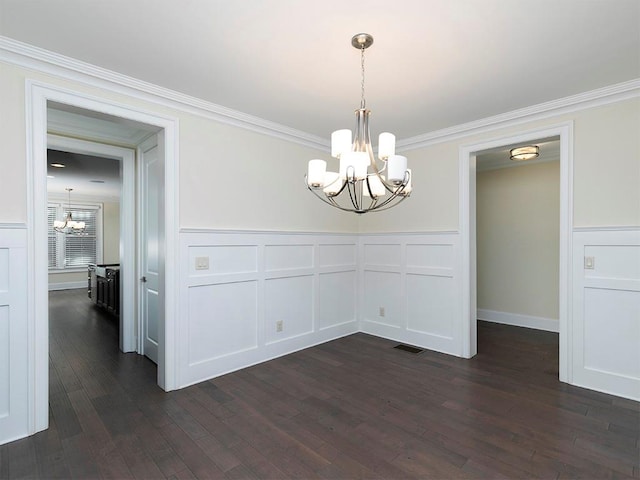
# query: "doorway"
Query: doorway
38,98
467,204
87,153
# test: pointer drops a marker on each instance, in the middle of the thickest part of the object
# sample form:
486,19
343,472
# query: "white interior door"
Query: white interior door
151,174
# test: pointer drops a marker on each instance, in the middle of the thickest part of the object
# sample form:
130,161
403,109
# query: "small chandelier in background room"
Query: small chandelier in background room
524,153
362,184
69,225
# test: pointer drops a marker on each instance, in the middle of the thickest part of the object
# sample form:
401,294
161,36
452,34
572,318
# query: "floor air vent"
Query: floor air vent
409,348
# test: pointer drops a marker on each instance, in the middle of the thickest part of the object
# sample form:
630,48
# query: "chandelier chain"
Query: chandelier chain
362,100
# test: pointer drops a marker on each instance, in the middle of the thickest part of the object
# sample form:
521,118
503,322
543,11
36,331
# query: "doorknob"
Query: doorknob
143,279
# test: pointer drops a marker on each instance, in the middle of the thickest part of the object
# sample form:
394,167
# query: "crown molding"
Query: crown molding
594,98
41,60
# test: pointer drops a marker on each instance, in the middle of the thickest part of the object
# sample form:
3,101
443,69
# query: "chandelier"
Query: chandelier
69,225
362,184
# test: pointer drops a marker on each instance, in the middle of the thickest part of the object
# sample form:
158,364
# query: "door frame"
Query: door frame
467,221
37,95
126,157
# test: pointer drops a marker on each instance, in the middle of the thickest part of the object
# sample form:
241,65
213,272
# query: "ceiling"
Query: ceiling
434,63
89,176
500,157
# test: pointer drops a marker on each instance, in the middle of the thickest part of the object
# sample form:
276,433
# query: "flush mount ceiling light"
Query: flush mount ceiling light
69,225
58,165
524,153
362,184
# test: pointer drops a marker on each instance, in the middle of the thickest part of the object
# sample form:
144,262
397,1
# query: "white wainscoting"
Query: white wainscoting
410,289
14,352
606,311
230,312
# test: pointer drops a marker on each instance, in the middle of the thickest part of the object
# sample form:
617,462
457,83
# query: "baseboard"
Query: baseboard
67,285
518,320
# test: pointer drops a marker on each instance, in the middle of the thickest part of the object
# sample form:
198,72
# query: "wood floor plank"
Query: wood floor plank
348,409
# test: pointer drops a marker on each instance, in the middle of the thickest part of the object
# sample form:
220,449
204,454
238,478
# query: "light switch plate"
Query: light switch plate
202,263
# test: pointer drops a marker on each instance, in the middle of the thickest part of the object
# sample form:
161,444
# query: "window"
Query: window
74,251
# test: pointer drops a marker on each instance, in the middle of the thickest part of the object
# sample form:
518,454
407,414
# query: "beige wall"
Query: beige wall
217,162
111,232
518,243
605,180
213,156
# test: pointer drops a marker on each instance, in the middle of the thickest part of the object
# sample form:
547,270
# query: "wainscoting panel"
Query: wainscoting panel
337,299
336,255
606,311
430,306
283,257
220,324
414,280
296,317
265,294
383,287
14,358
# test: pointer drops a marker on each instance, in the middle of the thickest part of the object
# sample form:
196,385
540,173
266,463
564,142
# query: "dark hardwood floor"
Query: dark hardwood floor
351,408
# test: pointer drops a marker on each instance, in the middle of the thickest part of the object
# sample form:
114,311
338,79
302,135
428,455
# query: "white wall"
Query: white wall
415,279
14,372
518,245
606,305
213,153
255,280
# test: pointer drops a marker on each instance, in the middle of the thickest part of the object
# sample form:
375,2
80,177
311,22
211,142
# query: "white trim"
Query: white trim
611,228
39,59
518,320
29,56
574,103
36,98
67,285
467,231
127,201
16,225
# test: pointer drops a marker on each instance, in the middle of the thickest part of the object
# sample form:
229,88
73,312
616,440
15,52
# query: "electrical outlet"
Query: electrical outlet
381,311
279,325
202,263
589,263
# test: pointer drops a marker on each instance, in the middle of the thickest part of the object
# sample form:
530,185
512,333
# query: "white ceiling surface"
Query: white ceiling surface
495,158
434,63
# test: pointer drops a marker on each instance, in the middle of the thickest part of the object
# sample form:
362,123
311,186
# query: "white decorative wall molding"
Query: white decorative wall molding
38,59
41,60
263,295
606,310
574,103
519,320
409,286
14,333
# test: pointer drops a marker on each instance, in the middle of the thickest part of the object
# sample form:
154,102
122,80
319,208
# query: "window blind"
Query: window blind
74,250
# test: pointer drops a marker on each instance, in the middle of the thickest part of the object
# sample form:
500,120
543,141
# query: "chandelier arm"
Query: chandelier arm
385,206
